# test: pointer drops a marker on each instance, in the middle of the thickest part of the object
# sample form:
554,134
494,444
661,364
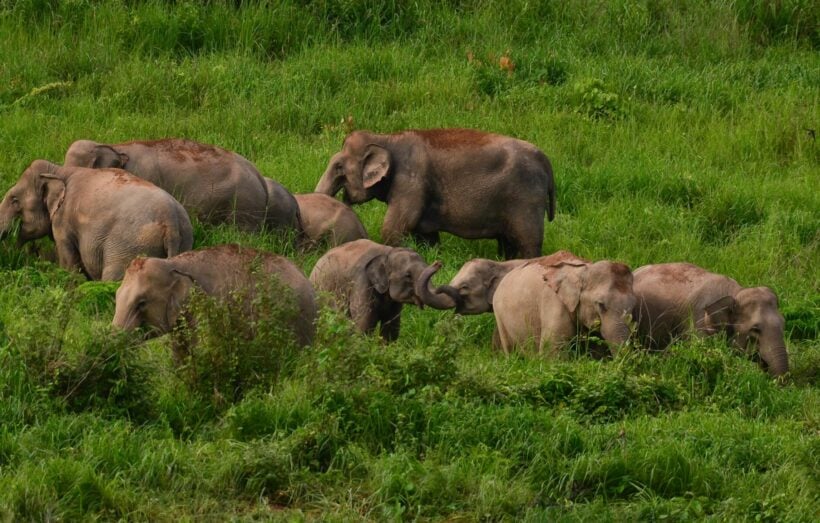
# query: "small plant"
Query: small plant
592,100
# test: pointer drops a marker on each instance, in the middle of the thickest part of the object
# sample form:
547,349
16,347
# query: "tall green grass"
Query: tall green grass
678,131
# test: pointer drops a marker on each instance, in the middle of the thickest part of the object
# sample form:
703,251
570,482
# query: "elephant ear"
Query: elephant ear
177,295
567,281
717,316
375,165
376,270
53,191
106,156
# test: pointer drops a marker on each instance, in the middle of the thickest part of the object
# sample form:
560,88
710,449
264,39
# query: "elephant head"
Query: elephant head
152,294
358,168
755,325
395,274
33,200
476,282
85,153
598,296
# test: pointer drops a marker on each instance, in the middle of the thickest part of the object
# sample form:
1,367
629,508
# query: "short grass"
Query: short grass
678,131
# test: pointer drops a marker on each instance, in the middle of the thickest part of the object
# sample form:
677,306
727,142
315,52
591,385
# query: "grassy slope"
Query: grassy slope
677,133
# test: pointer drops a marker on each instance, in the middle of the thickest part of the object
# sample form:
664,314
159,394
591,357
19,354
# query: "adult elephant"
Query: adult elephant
370,282
549,303
476,281
325,218
100,219
213,184
470,183
155,291
680,299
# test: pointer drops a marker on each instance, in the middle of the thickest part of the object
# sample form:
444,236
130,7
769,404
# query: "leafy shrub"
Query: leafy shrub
237,344
592,100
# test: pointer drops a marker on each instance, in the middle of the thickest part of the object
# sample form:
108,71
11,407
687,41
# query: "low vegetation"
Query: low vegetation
677,132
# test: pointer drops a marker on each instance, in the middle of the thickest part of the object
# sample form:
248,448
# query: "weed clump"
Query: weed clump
228,347
592,99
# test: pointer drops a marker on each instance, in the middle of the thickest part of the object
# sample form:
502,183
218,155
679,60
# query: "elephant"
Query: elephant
213,184
326,218
155,291
370,282
99,219
549,303
469,183
476,281
681,299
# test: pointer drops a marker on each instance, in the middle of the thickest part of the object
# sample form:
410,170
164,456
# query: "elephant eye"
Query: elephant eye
755,329
338,166
141,304
601,306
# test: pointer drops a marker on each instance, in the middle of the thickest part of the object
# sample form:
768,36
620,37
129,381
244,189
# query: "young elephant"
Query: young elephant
325,217
154,291
478,279
100,220
213,184
551,302
681,299
469,183
370,282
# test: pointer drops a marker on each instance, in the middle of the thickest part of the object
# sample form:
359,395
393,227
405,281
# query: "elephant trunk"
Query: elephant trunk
444,297
329,183
6,219
615,330
775,357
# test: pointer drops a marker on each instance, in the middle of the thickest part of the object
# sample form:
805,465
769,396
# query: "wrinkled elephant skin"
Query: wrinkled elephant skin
469,183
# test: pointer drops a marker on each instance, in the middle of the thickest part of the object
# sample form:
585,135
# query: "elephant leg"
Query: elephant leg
526,236
400,220
363,310
68,257
427,238
391,321
496,340
506,249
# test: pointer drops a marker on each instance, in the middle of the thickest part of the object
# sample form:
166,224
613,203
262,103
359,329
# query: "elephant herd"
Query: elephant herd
121,212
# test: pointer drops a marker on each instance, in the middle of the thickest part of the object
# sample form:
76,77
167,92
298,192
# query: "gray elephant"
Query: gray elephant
549,303
326,218
469,183
476,281
213,184
370,283
99,219
154,291
680,299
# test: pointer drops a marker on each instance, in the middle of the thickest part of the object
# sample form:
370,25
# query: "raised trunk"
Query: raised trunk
329,183
444,297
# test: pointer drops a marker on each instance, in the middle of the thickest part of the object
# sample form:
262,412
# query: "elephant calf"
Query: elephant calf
154,291
213,184
370,282
326,218
100,219
681,299
549,302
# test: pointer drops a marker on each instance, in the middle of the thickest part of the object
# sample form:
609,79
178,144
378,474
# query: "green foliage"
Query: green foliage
232,346
677,132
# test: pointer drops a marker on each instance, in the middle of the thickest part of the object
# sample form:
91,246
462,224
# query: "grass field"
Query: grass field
678,131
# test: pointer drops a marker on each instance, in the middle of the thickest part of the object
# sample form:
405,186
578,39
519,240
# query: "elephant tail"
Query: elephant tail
179,237
547,166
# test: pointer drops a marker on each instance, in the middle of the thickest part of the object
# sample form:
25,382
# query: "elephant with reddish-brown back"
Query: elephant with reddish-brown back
469,183
212,183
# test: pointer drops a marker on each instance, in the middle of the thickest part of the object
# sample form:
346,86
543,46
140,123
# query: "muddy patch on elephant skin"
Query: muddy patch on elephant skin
453,138
183,150
136,265
121,177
